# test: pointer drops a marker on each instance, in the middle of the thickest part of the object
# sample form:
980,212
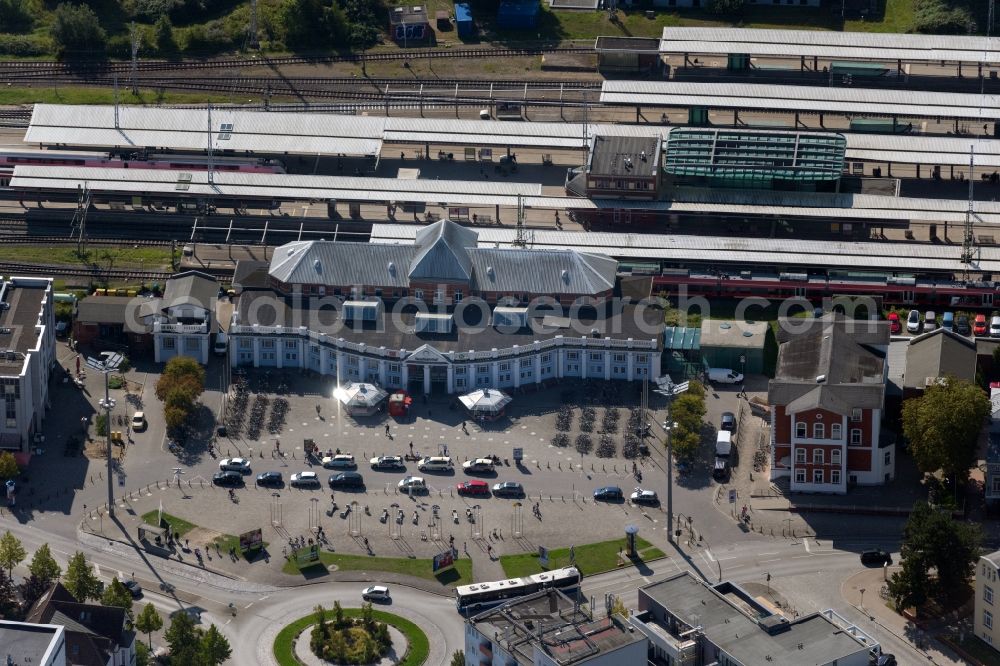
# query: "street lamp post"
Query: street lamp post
105,367
670,390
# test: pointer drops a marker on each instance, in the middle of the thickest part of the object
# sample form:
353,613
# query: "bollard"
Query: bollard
548,465
604,468
560,465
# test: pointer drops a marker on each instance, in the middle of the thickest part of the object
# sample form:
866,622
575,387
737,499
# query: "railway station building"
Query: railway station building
443,314
183,320
27,355
827,399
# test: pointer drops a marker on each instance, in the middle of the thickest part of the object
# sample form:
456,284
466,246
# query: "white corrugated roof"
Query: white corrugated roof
822,44
832,254
812,99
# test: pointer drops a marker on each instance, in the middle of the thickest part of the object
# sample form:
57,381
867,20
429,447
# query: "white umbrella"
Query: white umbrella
359,396
485,401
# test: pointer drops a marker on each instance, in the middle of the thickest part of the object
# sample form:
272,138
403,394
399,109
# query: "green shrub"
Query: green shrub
76,29
16,15
25,45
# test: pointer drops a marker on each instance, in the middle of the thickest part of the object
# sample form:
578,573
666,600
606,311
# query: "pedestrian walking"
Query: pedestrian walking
386,429
411,448
465,547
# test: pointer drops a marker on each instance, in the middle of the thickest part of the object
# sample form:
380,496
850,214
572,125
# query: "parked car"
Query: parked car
962,326
641,496
346,480
304,480
979,325
895,326
930,321
720,471
241,465
133,588
876,557
269,479
339,461
728,422
724,376
138,422
474,487
478,465
375,593
508,489
995,327
913,322
436,464
609,494
387,462
227,478
886,659
412,483
948,321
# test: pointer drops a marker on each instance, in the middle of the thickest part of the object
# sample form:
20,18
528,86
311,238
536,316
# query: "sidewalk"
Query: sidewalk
921,640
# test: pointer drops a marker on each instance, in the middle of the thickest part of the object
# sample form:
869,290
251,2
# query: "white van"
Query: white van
723,444
339,461
221,344
724,376
435,464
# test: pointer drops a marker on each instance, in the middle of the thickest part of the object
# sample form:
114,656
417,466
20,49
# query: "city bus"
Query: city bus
475,598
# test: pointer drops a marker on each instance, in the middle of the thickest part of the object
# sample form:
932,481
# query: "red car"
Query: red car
979,325
895,326
474,487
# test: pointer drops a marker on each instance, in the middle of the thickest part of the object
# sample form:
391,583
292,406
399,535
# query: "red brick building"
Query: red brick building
827,399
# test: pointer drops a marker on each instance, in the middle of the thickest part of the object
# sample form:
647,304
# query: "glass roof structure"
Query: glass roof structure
744,155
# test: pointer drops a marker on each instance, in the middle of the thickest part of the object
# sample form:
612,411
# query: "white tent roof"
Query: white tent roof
485,400
359,395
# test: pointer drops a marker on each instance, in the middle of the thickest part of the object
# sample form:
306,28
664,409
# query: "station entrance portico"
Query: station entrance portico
427,378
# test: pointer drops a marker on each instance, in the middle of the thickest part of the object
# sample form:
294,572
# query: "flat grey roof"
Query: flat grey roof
807,99
819,254
698,605
824,44
26,643
18,332
627,44
624,156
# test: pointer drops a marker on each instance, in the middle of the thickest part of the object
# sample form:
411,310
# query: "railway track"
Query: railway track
48,68
62,270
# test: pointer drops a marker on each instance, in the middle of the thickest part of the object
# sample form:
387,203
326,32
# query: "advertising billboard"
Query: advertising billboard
307,556
443,560
252,540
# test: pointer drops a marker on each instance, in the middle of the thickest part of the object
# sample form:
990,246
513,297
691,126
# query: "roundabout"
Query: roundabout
292,644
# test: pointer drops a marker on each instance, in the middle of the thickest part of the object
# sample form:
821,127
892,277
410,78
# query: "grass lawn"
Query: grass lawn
91,95
591,558
417,650
176,524
151,258
898,18
460,574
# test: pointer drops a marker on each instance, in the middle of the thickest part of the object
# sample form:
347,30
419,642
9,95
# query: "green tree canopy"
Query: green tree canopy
8,465
43,566
213,648
182,381
75,28
148,622
80,579
163,32
15,16
458,658
10,609
12,552
943,426
116,594
933,541
183,639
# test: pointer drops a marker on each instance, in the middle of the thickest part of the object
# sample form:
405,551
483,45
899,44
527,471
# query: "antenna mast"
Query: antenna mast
253,42
136,39
211,178
520,240
969,238
78,227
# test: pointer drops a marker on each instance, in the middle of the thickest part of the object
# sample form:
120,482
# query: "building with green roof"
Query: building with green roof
754,159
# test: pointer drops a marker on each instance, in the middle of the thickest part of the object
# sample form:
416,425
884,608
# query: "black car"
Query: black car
346,480
962,326
876,557
269,479
133,588
886,660
728,422
609,494
227,478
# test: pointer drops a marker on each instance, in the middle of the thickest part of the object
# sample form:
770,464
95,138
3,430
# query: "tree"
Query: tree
9,608
164,35
141,654
80,579
8,465
76,28
31,590
182,381
43,566
727,8
148,622
15,16
213,648
943,426
182,637
458,658
320,631
116,594
12,552
933,541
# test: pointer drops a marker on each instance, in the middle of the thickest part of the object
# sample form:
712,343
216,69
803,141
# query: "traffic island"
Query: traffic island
354,636
195,538
590,559
460,573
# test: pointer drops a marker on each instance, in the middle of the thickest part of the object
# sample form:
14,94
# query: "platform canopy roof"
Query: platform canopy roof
880,46
864,102
746,155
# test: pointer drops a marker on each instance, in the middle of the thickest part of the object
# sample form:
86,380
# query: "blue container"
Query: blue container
518,14
463,21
